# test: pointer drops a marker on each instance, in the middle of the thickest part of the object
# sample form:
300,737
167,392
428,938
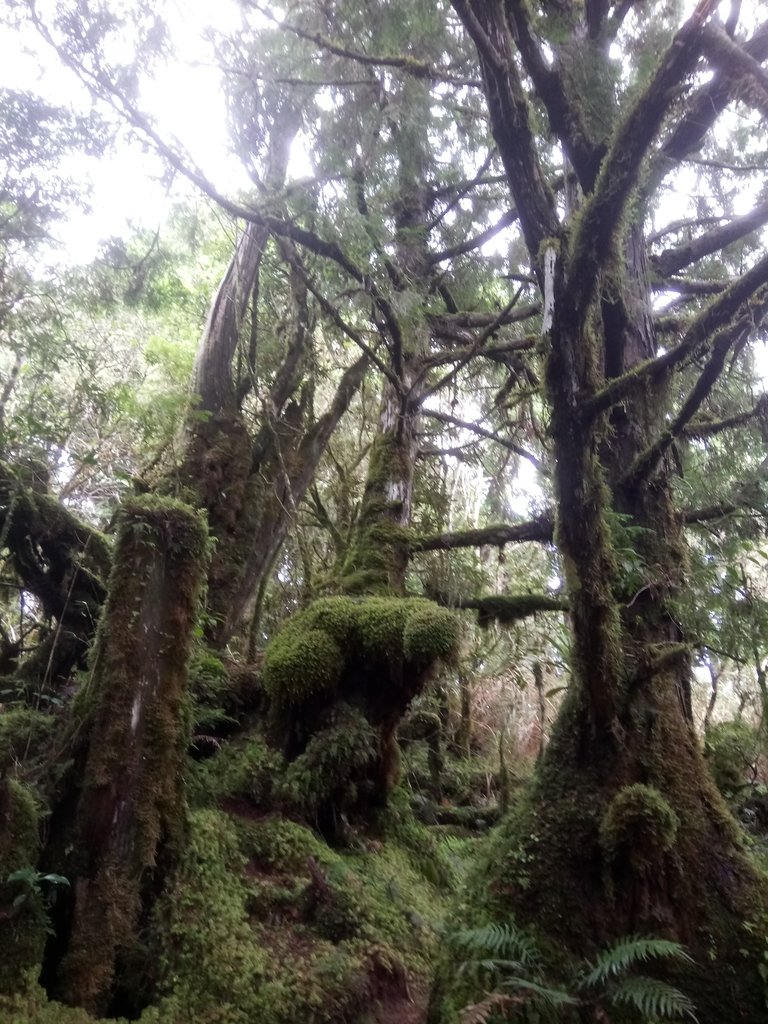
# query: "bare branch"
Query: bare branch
475,428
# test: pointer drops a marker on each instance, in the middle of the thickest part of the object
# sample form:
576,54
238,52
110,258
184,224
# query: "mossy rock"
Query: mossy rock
640,821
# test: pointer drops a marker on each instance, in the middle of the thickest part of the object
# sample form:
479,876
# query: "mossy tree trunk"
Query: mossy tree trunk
129,819
378,557
624,831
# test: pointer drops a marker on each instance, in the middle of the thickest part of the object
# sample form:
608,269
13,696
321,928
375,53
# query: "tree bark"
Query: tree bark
130,811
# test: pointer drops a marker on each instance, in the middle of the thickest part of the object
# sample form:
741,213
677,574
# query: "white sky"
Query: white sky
186,101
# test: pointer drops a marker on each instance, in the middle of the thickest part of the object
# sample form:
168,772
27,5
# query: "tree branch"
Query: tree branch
701,332
620,170
672,260
511,122
539,530
564,116
475,428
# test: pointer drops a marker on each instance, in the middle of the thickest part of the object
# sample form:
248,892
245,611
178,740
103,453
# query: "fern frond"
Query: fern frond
479,1013
503,941
624,954
542,993
655,1000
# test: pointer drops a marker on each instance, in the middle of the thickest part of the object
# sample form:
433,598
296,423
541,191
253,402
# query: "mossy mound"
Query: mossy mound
316,647
266,923
335,764
640,821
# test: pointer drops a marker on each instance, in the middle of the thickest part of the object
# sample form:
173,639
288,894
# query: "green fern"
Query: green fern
651,998
507,959
626,953
502,941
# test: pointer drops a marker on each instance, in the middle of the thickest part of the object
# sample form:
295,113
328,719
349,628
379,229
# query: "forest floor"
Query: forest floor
410,1009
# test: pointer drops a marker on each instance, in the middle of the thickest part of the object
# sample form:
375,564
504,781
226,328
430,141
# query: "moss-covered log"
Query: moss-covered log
130,812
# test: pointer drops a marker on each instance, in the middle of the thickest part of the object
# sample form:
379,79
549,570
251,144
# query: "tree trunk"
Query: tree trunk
130,812
623,832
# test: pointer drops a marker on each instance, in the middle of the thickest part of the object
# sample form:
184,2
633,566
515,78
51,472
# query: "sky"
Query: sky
129,186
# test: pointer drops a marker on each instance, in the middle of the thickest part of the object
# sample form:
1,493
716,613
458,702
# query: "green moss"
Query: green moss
309,654
640,821
283,846
300,664
23,733
131,808
336,761
248,768
510,608
23,925
210,959
431,633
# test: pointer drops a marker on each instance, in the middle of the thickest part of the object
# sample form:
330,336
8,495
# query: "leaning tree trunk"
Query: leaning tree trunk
129,818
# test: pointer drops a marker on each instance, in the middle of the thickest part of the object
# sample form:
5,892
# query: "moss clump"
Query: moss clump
283,846
373,655
310,653
431,633
640,821
335,765
23,733
23,925
301,663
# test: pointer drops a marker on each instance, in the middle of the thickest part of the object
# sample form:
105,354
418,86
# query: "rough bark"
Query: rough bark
129,819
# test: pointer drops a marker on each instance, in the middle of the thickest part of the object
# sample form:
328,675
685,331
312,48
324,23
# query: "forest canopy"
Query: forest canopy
400,477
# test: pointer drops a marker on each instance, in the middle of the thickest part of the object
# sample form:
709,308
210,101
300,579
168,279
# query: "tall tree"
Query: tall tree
623,831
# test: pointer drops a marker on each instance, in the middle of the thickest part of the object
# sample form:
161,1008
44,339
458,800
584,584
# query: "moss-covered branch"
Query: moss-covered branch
537,530
738,301
509,608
